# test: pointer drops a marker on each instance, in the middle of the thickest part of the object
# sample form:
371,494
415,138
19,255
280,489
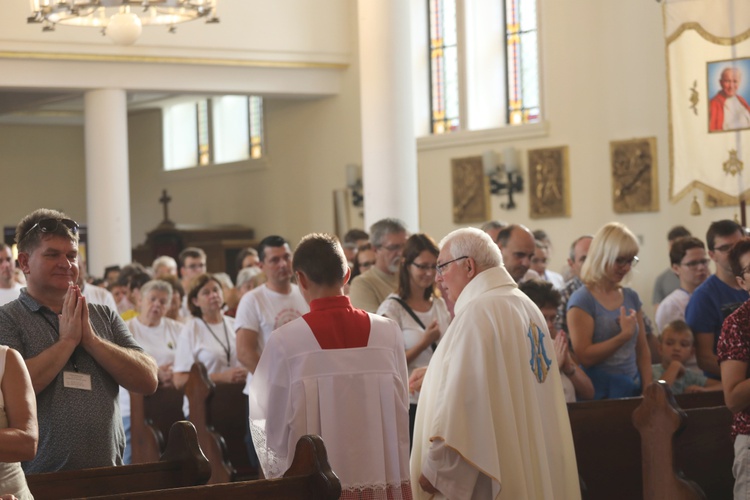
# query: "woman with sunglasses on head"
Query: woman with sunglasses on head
422,316
605,319
207,337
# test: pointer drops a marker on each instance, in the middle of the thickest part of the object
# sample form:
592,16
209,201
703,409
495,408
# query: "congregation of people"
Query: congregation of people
428,368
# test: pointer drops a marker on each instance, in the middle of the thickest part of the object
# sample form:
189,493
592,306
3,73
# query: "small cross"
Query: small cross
164,200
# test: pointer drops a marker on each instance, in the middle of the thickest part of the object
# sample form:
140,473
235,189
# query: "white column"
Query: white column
389,156
107,181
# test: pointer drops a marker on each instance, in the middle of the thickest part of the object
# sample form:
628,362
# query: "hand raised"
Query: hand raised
432,332
628,322
561,351
70,318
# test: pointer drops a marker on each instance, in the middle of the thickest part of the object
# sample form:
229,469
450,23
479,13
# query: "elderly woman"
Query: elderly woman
208,336
422,316
158,336
18,427
605,319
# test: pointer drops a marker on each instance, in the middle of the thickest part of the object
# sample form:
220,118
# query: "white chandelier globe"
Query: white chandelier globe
124,28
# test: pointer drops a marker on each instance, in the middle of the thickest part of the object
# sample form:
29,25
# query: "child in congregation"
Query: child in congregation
676,347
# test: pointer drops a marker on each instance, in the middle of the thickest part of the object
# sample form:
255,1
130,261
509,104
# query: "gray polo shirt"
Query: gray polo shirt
78,429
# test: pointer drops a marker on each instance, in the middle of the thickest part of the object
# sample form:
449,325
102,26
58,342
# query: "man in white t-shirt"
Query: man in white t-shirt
192,264
10,289
266,308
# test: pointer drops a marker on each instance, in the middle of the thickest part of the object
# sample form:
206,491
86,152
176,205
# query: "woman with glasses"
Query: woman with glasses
605,319
208,337
422,316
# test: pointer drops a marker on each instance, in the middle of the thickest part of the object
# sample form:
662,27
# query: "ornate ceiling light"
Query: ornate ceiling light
115,17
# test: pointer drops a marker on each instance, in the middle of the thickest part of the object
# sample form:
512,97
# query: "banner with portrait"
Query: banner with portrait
708,77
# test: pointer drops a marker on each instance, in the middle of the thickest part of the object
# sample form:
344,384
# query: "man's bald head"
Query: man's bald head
517,245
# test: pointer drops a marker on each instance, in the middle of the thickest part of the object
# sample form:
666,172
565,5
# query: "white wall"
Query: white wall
604,79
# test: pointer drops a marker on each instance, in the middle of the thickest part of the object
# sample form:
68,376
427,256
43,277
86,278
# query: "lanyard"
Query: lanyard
227,348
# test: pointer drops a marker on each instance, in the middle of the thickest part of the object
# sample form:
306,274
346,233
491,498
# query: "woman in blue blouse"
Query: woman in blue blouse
605,319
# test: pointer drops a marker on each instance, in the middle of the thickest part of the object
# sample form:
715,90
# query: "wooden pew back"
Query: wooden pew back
151,417
608,446
218,413
702,450
182,464
309,478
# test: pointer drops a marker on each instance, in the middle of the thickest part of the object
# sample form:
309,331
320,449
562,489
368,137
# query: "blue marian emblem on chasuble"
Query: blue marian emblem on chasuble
539,361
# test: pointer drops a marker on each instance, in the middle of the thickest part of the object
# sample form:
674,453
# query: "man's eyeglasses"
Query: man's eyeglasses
693,264
393,248
624,261
51,225
439,268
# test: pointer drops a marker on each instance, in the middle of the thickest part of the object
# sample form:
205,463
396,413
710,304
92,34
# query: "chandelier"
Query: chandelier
121,20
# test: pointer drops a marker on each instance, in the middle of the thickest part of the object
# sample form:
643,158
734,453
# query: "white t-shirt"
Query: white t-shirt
98,295
413,333
263,310
10,294
207,344
158,341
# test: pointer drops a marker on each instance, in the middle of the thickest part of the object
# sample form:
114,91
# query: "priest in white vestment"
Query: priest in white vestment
491,420
338,372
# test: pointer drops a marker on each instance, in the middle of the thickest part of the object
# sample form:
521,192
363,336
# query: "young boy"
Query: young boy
676,348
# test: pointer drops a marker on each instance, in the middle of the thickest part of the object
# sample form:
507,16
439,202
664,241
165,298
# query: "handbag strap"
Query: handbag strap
414,315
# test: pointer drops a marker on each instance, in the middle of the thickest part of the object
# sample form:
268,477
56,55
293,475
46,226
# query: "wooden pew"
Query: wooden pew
308,478
151,417
608,446
218,413
182,464
702,451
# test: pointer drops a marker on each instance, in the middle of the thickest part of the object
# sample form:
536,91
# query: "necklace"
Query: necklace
228,347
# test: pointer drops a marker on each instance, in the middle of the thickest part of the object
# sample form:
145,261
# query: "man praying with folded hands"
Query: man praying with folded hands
77,354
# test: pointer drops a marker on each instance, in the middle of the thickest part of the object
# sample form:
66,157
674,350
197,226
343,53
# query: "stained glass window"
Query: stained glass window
522,61
255,112
444,91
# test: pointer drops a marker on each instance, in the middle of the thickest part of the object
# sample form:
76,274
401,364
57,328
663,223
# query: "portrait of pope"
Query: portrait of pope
728,110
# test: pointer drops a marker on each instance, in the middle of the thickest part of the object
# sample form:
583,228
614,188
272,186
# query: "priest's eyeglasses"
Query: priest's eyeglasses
51,225
439,268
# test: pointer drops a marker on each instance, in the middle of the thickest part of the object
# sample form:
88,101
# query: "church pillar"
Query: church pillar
107,181
389,156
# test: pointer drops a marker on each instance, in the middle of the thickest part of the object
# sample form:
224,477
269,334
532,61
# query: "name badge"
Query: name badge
75,380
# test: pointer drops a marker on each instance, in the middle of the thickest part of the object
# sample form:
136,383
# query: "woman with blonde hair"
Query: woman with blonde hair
605,319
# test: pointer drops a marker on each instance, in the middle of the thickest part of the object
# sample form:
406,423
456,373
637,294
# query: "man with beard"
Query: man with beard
370,289
9,287
266,308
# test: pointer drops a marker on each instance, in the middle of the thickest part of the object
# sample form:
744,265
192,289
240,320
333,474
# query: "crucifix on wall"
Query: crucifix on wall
164,200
